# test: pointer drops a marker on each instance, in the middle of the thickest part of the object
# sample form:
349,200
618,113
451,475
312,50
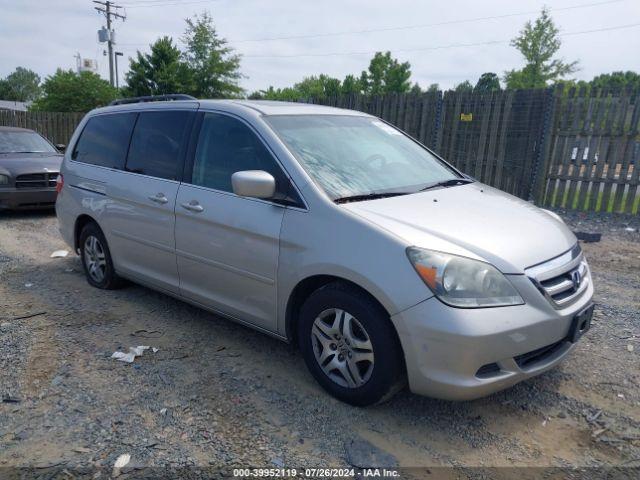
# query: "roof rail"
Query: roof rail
153,98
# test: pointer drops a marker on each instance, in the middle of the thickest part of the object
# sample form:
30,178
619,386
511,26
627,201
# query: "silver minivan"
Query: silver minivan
330,229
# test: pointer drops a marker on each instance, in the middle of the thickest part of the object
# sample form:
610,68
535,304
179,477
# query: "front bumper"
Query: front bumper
14,199
463,354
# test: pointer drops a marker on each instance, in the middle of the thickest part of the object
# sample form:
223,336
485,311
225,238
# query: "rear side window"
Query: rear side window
158,143
104,140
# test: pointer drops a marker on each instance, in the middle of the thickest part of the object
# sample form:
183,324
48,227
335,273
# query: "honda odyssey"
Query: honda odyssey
330,229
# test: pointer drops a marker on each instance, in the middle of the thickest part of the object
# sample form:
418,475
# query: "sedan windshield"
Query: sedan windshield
24,142
359,158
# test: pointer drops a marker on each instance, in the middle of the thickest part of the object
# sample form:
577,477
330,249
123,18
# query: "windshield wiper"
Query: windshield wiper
368,196
452,182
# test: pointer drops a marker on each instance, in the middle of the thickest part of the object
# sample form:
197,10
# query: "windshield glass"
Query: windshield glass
24,142
352,155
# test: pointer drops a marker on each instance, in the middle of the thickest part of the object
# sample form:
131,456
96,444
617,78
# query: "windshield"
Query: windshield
24,142
350,156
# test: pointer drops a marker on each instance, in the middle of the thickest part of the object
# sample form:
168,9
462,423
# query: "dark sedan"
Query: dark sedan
29,167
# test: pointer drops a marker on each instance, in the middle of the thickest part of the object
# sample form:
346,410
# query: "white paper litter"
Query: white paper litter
59,254
121,461
629,229
133,353
155,350
28,285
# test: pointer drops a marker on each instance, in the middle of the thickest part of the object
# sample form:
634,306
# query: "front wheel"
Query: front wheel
350,345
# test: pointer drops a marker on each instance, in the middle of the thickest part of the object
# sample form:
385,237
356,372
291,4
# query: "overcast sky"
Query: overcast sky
43,35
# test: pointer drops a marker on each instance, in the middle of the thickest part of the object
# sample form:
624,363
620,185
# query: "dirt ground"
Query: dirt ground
217,394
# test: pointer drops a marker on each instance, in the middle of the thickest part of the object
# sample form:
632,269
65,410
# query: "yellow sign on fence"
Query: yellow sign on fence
466,117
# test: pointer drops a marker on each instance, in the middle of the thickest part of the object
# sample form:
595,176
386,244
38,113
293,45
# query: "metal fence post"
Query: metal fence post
541,162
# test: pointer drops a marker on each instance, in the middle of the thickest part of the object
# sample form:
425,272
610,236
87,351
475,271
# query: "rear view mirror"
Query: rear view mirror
61,147
254,184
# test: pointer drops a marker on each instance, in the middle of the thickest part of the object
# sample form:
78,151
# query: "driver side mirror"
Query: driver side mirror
61,147
253,184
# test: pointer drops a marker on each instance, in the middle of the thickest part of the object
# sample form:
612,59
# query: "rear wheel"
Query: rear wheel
350,346
96,259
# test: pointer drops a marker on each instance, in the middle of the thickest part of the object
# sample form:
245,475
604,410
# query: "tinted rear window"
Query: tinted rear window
105,140
157,144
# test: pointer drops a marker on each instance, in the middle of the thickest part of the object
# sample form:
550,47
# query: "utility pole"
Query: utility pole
118,54
109,10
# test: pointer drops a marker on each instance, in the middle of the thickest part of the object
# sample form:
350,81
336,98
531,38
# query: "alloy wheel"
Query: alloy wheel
94,259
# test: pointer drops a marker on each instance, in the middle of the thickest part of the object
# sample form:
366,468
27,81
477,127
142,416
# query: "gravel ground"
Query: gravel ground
218,394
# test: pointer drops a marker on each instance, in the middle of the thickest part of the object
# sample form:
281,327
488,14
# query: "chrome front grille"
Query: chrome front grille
36,180
562,280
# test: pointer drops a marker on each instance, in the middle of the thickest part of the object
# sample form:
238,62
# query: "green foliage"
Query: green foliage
386,75
67,91
488,82
616,80
214,67
538,43
159,72
206,68
464,87
434,87
351,85
23,85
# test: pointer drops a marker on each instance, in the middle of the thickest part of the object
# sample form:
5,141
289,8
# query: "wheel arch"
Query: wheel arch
305,287
81,222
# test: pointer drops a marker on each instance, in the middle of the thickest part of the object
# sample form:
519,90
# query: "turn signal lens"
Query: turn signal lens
59,183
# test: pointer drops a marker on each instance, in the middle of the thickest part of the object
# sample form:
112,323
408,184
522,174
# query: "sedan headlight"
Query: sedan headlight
463,282
4,180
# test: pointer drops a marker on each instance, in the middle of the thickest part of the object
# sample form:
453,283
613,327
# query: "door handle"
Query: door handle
193,206
159,198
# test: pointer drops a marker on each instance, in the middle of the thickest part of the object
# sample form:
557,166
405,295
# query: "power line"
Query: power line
440,47
166,3
422,25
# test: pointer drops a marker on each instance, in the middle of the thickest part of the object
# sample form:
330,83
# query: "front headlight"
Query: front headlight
463,282
4,180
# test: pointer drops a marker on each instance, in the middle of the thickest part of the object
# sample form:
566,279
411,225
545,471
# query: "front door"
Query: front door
227,246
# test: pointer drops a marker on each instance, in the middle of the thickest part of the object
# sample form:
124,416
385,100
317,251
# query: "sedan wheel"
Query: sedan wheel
342,348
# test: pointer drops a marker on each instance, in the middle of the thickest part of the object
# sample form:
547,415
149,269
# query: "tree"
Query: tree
159,72
67,91
23,85
386,75
464,87
215,69
318,87
538,43
433,88
616,80
351,85
488,82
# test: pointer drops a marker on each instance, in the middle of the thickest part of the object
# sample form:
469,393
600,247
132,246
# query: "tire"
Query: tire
340,324
94,250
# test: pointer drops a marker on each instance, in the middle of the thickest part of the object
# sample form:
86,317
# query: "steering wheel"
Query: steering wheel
376,157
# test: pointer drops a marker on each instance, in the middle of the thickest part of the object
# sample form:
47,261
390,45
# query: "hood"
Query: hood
20,163
472,220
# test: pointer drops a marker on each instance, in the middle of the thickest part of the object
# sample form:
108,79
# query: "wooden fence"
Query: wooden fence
57,127
593,159
575,149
